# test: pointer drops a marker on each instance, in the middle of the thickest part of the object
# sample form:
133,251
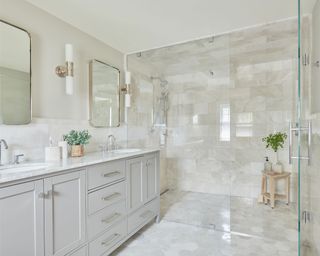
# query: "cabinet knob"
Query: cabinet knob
45,194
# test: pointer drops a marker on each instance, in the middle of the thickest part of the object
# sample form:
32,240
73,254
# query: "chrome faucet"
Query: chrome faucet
17,158
2,141
111,143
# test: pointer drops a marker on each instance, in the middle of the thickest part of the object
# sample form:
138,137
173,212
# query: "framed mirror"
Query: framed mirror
15,75
104,94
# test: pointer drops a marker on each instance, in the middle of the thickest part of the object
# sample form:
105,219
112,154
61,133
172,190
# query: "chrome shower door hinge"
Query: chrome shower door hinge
305,59
306,217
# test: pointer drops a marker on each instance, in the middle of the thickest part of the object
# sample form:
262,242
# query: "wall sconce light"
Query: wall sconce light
128,78
126,90
67,70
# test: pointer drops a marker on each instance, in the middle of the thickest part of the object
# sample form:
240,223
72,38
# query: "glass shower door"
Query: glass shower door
308,109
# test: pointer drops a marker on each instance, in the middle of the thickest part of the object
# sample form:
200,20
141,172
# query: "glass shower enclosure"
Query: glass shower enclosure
217,98
308,108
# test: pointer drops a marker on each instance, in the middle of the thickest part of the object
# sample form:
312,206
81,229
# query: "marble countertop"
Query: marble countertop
7,177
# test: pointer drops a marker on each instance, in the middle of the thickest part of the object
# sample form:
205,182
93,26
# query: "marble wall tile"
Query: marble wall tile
141,131
252,74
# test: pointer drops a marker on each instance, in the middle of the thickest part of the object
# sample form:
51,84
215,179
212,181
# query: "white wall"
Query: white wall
49,35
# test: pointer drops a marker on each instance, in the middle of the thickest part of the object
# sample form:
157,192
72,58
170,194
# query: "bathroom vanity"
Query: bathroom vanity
83,207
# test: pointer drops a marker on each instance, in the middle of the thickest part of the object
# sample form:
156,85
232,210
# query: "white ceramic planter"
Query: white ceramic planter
278,167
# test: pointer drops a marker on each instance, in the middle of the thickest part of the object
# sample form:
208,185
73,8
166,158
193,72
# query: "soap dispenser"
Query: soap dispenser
267,165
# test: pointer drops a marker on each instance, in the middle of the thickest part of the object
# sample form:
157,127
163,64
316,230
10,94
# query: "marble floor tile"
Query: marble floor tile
198,209
249,217
176,239
198,224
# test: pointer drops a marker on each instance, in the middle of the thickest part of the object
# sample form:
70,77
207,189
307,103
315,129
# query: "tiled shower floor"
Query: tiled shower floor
199,224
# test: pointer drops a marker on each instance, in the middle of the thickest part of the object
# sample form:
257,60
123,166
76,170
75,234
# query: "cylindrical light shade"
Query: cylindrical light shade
128,78
69,52
127,100
69,78
69,85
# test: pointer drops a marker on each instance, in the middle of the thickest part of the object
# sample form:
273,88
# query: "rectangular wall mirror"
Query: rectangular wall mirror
15,75
104,83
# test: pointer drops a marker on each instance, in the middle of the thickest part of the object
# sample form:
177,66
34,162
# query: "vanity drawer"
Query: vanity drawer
105,242
80,252
143,215
105,218
102,174
104,197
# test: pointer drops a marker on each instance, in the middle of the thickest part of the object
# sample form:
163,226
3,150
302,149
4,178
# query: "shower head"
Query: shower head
162,81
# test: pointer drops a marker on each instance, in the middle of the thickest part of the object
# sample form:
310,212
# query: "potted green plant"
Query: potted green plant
77,140
276,141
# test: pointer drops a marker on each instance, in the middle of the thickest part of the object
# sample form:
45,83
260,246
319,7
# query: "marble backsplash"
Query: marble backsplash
31,139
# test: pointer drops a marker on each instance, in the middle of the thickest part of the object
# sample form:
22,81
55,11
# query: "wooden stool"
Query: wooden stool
272,196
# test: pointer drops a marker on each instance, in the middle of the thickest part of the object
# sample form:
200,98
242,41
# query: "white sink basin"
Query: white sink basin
126,150
22,168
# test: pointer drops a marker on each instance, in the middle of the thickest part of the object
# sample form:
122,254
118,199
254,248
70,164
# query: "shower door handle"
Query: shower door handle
299,130
290,142
309,141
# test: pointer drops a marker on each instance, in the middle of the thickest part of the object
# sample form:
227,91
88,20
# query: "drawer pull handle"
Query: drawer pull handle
111,218
110,197
111,174
146,214
110,239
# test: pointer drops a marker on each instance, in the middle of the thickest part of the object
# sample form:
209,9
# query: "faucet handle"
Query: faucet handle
111,143
17,158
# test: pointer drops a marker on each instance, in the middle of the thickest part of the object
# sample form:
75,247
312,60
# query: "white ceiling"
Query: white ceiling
136,25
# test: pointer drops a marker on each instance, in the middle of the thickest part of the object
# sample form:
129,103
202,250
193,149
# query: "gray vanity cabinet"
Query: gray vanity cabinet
152,177
80,252
142,191
136,183
86,212
65,212
21,219
142,181
43,217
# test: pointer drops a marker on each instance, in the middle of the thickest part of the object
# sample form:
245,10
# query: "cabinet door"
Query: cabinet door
21,220
136,184
65,213
152,177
